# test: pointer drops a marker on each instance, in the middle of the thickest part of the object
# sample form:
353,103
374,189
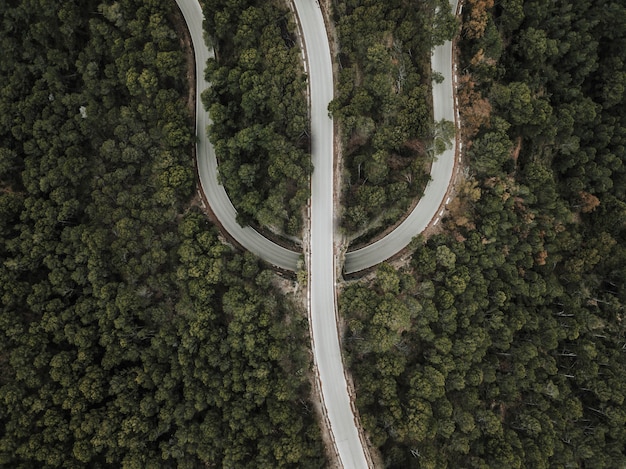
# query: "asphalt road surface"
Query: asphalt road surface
326,350
441,174
215,193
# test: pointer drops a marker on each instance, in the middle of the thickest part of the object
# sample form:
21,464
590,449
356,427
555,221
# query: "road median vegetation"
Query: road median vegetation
383,105
257,102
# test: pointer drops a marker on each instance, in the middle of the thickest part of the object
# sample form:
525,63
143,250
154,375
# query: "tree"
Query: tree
478,17
475,109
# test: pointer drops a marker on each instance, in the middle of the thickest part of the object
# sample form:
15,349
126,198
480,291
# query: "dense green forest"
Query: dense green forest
383,104
257,102
503,342
130,336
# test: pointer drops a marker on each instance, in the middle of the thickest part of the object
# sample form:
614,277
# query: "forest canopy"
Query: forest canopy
131,336
502,343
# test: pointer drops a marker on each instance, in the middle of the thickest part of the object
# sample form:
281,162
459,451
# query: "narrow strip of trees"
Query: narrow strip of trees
383,104
257,102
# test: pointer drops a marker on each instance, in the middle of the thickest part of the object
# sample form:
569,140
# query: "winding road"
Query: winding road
331,380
